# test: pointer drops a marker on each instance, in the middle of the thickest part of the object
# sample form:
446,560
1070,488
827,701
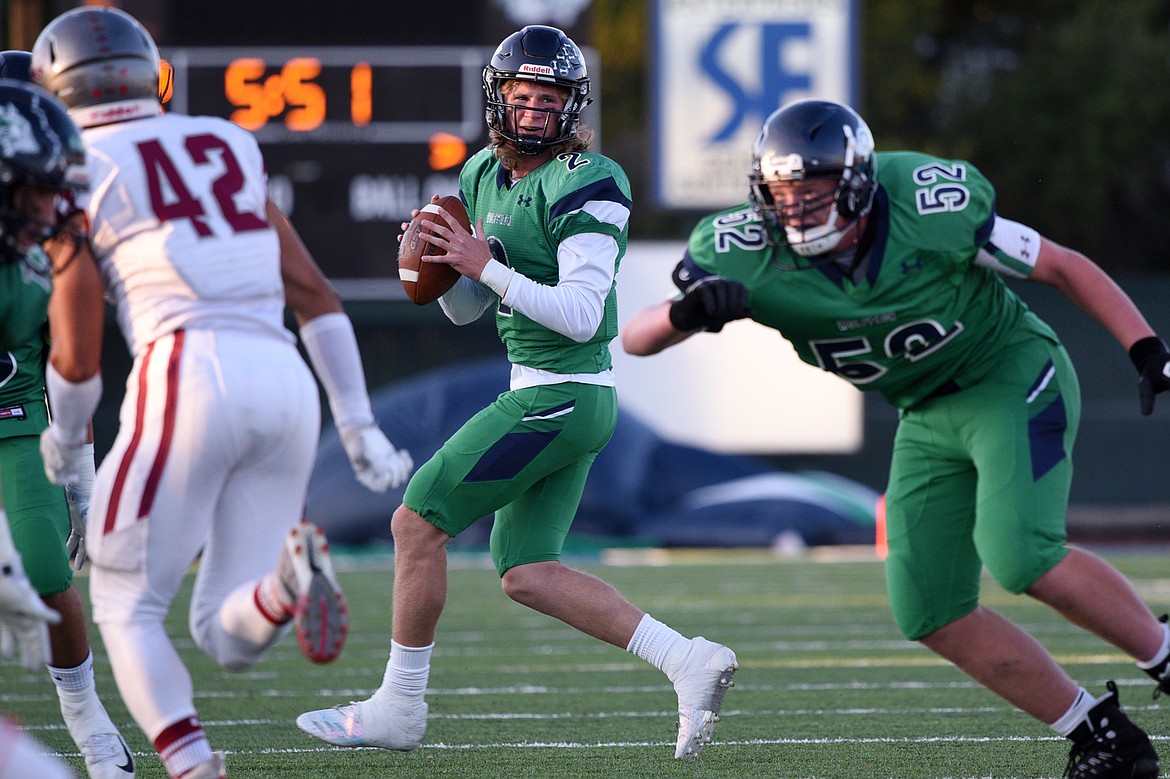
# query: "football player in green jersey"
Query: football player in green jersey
551,226
886,269
41,157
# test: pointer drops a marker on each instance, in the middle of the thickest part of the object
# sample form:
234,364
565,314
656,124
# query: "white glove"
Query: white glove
63,463
77,496
78,514
376,463
24,619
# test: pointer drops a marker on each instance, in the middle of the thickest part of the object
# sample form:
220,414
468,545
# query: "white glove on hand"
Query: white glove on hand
78,514
62,462
24,619
376,463
77,496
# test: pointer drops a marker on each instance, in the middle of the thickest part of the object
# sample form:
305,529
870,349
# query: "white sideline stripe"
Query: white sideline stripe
739,713
358,693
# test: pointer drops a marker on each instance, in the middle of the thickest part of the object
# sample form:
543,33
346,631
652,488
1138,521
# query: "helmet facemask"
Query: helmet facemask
840,150
21,227
565,121
42,148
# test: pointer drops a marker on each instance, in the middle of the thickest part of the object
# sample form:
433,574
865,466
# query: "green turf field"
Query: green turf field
827,687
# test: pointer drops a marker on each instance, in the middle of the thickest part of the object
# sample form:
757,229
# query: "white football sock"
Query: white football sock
1160,656
1076,713
73,679
407,671
655,643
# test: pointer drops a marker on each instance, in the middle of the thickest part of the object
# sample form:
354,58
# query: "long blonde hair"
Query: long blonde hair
510,158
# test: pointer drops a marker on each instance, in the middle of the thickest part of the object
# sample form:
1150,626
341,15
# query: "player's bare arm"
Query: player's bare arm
1084,283
650,331
77,305
306,290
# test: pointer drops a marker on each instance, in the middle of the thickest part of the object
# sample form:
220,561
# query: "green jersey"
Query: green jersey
24,299
921,317
525,221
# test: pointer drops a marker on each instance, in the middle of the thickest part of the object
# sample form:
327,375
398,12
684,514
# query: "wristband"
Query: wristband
332,348
71,405
1145,348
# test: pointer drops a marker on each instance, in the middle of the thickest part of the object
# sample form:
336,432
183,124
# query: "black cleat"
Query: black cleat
1108,746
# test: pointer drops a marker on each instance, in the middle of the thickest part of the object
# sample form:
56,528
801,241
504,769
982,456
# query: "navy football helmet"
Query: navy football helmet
14,64
39,146
544,55
814,139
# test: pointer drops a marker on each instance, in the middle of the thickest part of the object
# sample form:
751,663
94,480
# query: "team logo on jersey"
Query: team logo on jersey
16,134
12,412
911,265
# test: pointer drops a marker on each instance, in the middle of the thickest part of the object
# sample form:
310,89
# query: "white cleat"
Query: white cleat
320,614
369,723
97,738
107,757
701,688
215,768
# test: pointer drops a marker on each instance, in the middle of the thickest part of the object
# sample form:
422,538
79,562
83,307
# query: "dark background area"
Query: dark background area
1063,104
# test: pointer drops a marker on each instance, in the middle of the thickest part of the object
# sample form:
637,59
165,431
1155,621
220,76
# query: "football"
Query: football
425,282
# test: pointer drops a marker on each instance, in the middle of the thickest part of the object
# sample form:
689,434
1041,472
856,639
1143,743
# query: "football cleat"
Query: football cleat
215,768
369,723
705,679
107,757
97,738
1108,746
320,613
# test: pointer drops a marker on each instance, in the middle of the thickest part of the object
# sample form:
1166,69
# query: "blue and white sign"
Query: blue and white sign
721,67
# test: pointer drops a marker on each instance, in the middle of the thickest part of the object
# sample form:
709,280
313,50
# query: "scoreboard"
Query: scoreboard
353,137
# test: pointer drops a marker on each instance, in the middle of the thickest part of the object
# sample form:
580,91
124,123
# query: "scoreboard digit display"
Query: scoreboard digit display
353,138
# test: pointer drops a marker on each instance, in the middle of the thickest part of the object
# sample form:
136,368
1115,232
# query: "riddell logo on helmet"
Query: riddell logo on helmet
542,70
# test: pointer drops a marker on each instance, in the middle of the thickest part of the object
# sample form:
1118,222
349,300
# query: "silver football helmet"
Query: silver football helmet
95,56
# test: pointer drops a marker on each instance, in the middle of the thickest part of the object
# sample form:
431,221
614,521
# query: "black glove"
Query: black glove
1152,360
710,303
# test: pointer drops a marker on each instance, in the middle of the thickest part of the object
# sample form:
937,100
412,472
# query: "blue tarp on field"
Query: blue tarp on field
642,488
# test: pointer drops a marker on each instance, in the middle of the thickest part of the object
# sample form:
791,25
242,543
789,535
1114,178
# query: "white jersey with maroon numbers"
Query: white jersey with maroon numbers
177,211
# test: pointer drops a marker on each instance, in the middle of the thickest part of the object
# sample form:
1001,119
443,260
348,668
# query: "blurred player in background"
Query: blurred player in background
24,630
552,229
35,171
885,269
219,426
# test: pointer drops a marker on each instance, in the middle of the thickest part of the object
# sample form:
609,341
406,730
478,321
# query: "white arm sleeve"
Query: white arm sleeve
574,306
466,301
8,551
72,405
333,351
1011,250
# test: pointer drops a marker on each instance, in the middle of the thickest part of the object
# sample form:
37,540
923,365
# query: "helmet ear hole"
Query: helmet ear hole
847,204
